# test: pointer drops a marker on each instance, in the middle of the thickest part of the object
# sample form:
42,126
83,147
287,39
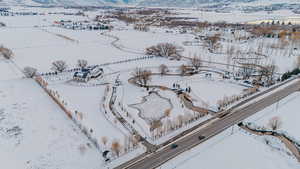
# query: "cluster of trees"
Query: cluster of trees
168,125
190,69
252,60
163,69
226,101
213,41
117,148
275,123
81,63
5,52
141,27
30,72
149,11
61,65
259,31
165,50
295,71
196,62
142,76
126,18
289,74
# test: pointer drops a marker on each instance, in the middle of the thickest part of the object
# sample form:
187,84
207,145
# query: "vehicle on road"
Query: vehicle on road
201,137
173,146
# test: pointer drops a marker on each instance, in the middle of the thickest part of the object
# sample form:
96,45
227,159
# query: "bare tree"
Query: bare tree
116,147
230,51
134,140
295,38
104,140
183,69
275,123
167,112
29,71
168,124
196,62
142,76
165,50
82,148
212,41
59,66
180,120
298,62
271,69
2,24
163,69
5,52
141,27
138,74
82,63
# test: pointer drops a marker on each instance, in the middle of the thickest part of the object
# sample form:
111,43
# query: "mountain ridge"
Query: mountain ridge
146,3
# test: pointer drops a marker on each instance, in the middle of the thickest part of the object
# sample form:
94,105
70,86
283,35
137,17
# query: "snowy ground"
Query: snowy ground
36,133
8,70
153,107
201,88
87,101
55,138
286,110
235,151
24,38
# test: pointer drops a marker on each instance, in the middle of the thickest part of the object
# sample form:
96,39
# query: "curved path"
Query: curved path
184,96
144,100
290,145
119,47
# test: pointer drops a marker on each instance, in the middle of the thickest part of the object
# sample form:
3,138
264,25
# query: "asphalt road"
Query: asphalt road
161,156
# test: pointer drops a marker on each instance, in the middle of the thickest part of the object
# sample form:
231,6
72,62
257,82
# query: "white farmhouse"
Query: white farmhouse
85,74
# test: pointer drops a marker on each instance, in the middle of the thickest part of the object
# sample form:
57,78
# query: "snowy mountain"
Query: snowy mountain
69,2
157,3
195,3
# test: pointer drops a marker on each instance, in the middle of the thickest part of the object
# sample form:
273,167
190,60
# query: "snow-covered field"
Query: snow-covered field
87,100
288,112
201,87
32,50
40,46
8,70
36,133
235,151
